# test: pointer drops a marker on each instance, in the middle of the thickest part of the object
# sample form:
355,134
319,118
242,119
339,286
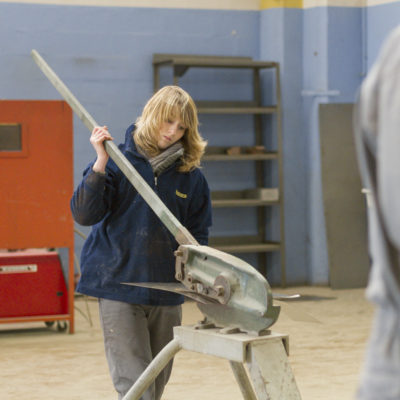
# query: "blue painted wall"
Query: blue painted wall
332,74
380,20
281,40
104,55
319,50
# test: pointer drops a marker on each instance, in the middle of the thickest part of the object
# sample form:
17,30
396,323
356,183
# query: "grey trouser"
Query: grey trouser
133,335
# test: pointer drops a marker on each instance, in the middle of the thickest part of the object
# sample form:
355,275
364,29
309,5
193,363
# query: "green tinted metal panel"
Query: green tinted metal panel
344,204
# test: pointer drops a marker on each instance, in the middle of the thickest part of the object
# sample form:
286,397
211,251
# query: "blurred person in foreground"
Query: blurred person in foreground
377,132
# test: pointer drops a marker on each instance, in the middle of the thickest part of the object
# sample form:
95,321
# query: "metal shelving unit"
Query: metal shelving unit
180,64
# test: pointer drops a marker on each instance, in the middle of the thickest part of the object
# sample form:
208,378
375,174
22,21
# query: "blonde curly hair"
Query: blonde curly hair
171,102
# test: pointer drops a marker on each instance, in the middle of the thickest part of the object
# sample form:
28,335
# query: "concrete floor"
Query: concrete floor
325,355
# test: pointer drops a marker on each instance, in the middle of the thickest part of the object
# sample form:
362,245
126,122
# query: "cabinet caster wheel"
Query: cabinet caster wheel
62,326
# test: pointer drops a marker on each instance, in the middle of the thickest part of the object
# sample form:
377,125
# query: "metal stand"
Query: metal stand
268,375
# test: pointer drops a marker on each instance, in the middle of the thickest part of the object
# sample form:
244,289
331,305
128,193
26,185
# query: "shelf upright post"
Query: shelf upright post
282,253
156,78
260,170
176,74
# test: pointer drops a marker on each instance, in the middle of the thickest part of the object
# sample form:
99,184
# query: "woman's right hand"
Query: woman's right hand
98,136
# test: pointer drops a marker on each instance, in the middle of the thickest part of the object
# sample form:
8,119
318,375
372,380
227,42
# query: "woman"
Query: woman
128,242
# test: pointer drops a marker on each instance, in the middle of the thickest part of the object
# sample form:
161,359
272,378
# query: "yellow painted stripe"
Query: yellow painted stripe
264,4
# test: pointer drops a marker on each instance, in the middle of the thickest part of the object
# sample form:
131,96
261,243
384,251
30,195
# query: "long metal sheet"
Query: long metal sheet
181,234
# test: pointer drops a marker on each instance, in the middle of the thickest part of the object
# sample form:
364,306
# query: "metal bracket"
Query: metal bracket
270,376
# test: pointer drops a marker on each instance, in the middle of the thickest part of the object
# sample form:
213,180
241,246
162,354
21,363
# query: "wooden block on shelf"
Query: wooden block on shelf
255,150
270,194
233,151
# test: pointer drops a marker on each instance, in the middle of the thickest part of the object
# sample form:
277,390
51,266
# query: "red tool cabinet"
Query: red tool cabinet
36,181
32,284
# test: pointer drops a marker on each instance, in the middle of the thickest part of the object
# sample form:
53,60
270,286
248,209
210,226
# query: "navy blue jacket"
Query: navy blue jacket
128,242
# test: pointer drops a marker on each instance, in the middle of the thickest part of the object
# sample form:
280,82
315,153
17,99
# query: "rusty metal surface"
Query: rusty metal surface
36,180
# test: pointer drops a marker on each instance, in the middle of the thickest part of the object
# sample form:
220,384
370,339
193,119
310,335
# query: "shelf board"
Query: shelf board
233,107
245,198
243,203
229,245
203,61
220,154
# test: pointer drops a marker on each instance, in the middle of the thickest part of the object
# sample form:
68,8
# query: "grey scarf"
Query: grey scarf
166,158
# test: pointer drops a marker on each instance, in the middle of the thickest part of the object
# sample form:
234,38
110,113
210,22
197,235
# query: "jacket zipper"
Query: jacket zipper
157,176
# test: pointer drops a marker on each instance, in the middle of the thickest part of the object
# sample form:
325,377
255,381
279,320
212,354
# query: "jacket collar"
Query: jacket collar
130,146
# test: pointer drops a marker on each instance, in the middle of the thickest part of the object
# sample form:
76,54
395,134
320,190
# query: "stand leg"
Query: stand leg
152,371
271,373
243,380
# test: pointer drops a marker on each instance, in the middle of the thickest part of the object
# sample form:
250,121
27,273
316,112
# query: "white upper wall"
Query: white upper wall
204,4
211,4
379,2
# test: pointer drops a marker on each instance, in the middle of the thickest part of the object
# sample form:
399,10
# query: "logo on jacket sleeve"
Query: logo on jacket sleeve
179,194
